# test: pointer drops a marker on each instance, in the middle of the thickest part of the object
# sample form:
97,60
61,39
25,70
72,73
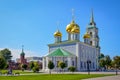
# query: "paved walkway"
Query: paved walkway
106,78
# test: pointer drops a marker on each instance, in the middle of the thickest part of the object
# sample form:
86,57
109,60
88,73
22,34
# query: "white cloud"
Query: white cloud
16,53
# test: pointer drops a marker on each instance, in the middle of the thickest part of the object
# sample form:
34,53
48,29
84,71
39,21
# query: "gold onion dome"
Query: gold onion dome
73,27
58,34
86,35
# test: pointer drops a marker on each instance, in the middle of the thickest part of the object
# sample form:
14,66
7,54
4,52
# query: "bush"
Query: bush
35,69
71,68
17,73
62,65
5,72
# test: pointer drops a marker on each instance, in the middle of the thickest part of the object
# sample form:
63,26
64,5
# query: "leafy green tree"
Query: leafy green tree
101,60
2,63
107,61
31,65
102,63
101,56
50,66
116,61
6,53
36,67
72,69
24,66
62,65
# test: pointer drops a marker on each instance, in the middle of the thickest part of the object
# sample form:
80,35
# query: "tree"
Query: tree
62,65
107,61
6,53
101,60
72,69
31,65
36,67
24,66
2,62
101,56
50,66
116,61
102,63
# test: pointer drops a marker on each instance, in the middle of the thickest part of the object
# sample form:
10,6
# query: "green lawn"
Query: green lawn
20,71
52,77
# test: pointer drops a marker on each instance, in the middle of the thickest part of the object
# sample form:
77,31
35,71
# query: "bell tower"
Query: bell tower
93,31
22,56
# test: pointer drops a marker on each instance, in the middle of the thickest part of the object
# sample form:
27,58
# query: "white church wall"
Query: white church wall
87,52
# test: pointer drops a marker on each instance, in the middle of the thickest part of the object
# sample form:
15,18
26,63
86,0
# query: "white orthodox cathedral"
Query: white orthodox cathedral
74,52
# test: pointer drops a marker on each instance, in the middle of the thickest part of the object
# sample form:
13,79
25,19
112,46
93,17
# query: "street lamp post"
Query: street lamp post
10,67
116,69
88,66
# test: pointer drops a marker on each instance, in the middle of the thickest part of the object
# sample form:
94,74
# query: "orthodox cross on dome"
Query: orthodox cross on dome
22,48
73,16
58,24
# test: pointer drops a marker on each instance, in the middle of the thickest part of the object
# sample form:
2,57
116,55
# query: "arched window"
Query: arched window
72,63
66,63
91,33
85,65
81,64
90,42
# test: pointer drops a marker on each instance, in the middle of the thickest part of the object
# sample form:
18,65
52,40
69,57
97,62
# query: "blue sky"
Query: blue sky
32,23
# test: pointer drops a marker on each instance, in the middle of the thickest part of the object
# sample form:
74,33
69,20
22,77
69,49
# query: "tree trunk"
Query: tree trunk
50,71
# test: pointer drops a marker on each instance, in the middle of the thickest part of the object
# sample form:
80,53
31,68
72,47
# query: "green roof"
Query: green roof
60,53
22,54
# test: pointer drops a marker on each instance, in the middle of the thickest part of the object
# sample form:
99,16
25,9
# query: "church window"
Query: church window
81,65
57,63
76,37
90,42
91,33
66,63
90,65
72,63
84,64
93,65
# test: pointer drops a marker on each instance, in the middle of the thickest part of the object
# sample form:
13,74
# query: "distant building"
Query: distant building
29,59
22,59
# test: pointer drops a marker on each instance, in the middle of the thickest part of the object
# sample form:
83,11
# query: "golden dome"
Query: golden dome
71,26
86,35
75,29
58,34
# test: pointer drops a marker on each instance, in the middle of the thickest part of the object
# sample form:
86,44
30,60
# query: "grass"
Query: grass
53,77
20,71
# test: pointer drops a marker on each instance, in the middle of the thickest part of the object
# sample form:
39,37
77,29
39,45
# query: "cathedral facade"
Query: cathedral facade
73,52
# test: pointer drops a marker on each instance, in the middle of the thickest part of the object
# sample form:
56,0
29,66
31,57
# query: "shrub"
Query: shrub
35,69
71,68
5,72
